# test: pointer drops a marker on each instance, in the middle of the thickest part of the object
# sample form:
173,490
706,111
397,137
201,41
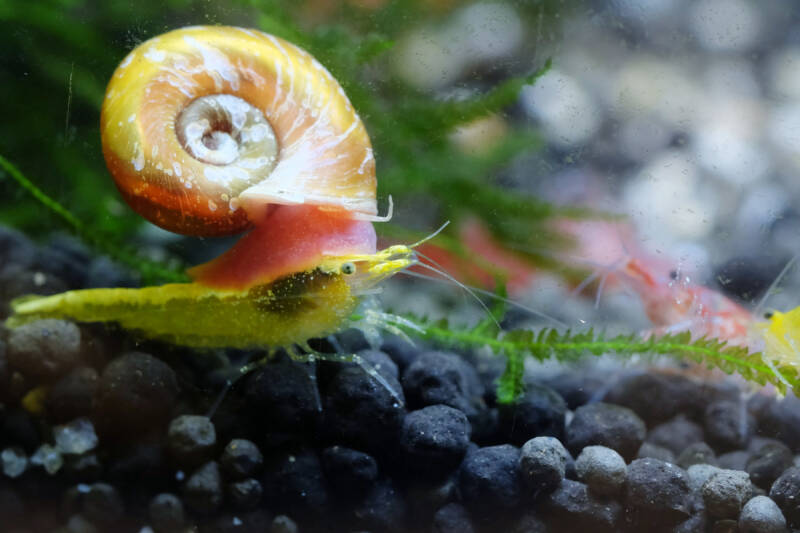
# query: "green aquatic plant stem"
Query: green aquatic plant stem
151,271
569,346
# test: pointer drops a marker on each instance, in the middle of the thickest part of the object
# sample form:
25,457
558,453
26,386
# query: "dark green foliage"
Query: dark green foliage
151,271
60,54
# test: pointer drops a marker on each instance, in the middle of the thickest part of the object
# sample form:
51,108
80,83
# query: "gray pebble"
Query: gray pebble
452,518
103,504
725,492
572,507
769,462
246,494
203,490
728,425
283,524
761,515
542,464
654,451
191,440
241,458
602,469
695,454
45,349
166,513
699,474
675,434
79,524
735,460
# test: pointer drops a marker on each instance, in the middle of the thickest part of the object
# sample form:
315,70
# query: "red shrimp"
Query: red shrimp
674,303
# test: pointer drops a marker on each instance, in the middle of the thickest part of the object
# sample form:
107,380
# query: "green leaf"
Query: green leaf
570,346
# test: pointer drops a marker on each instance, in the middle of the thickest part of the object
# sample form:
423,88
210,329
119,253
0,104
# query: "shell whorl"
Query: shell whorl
204,126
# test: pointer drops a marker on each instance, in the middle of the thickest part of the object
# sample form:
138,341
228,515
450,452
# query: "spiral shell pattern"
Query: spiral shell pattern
204,126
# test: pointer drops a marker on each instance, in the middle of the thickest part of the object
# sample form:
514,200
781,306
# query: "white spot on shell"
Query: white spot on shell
212,206
126,61
177,168
138,160
155,55
132,117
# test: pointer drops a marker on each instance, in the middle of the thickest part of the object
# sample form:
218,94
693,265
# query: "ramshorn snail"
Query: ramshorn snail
212,130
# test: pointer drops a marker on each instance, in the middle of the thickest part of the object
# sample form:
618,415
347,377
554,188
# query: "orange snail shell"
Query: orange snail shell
204,126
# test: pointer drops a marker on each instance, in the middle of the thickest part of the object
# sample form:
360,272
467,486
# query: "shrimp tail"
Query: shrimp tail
34,307
90,305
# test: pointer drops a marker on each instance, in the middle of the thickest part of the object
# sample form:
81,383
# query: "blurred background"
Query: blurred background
681,116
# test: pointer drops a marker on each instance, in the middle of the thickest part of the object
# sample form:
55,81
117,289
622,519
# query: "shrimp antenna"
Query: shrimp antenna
495,296
760,307
490,294
431,236
463,287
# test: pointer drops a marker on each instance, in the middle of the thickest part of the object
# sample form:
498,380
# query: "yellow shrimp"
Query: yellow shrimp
285,312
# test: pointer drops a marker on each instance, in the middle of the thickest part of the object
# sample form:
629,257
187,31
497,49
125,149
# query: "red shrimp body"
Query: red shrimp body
673,303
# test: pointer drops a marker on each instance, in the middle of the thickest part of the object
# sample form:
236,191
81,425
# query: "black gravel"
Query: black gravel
657,494
607,425
191,440
294,447
283,395
539,412
72,396
443,378
433,440
202,490
166,512
728,425
695,454
245,495
572,507
241,458
489,479
361,413
767,463
136,392
786,493
349,471
676,434
452,518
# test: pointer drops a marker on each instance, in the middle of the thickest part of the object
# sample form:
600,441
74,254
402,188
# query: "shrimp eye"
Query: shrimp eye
348,268
673,275
768,315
